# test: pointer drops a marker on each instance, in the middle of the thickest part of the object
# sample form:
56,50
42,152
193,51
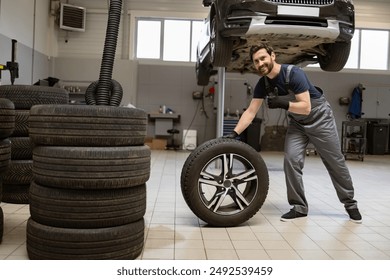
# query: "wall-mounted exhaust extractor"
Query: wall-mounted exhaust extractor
72,18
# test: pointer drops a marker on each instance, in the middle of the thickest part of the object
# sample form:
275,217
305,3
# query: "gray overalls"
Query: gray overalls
319,128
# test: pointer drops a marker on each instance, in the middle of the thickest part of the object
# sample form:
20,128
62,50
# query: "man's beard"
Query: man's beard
265,69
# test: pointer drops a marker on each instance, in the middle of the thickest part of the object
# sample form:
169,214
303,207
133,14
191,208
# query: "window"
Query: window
148,39
167,39
374,49
353,60
177,40
196,29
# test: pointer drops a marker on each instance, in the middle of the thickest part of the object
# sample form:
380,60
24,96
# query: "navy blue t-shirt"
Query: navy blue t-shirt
298,83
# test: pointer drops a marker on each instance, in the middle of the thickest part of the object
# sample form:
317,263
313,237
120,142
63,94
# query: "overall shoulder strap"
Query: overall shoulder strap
268,88
288,72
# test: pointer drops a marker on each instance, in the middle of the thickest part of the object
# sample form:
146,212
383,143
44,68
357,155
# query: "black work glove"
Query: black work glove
275,102
231,135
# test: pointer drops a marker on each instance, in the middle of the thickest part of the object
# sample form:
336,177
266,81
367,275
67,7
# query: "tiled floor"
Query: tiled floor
174,232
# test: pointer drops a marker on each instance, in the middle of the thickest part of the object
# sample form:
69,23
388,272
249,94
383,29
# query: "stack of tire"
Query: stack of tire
18,177
7,126
88,197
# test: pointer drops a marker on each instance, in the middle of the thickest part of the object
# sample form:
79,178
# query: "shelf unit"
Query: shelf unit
353,142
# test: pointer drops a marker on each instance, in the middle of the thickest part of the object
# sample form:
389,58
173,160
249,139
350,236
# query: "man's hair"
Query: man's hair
254,49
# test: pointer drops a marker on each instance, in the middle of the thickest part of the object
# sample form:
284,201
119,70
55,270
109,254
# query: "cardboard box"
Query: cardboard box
159,144
149,142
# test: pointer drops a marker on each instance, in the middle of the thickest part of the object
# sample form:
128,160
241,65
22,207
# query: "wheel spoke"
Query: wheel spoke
227,165
238,196
209,179
217,200
244,176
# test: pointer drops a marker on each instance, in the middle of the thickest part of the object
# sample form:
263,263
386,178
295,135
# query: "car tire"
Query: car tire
7,117
86,125
26,96
21,148
86,208
111,243
5,156
336,57
220,47
16,182
1,223
91,167
202,74
224,197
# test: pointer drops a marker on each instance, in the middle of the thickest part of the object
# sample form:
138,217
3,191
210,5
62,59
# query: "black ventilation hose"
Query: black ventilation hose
106,91
114,95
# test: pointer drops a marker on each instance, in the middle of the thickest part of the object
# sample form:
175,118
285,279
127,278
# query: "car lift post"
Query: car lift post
221,100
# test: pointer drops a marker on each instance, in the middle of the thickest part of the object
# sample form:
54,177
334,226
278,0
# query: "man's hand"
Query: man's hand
232,135
277,102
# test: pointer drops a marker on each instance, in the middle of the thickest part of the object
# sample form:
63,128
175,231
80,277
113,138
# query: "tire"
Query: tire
91,167
336,57
1,223
87,208
21,148
224,198
5,156
1,189
16,182
26,96
54,243
21,123
220,47
7,117
203,74
86,125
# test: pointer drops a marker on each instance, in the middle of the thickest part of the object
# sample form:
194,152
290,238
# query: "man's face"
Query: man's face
263,62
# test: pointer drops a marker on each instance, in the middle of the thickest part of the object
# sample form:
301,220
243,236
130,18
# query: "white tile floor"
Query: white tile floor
174,232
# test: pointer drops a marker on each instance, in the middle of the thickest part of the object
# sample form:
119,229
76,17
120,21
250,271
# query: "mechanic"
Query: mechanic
310,120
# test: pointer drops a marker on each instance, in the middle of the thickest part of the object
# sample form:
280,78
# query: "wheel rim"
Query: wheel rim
228,184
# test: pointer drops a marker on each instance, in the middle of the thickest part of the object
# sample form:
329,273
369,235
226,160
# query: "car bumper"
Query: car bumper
264,25
251,17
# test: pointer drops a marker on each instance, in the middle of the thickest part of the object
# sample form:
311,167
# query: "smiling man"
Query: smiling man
310,120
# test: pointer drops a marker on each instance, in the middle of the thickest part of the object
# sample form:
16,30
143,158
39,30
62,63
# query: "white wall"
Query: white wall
28,22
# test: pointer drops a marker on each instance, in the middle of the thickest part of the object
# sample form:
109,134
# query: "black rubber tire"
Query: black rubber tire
5,155
91,167
336,57
21,148
21,123
243,195
203,74
220,47
26,96
7,118
1,223
54,243
16,182
87,208
86,125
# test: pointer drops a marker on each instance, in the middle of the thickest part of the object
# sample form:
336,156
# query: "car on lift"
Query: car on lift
301,32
